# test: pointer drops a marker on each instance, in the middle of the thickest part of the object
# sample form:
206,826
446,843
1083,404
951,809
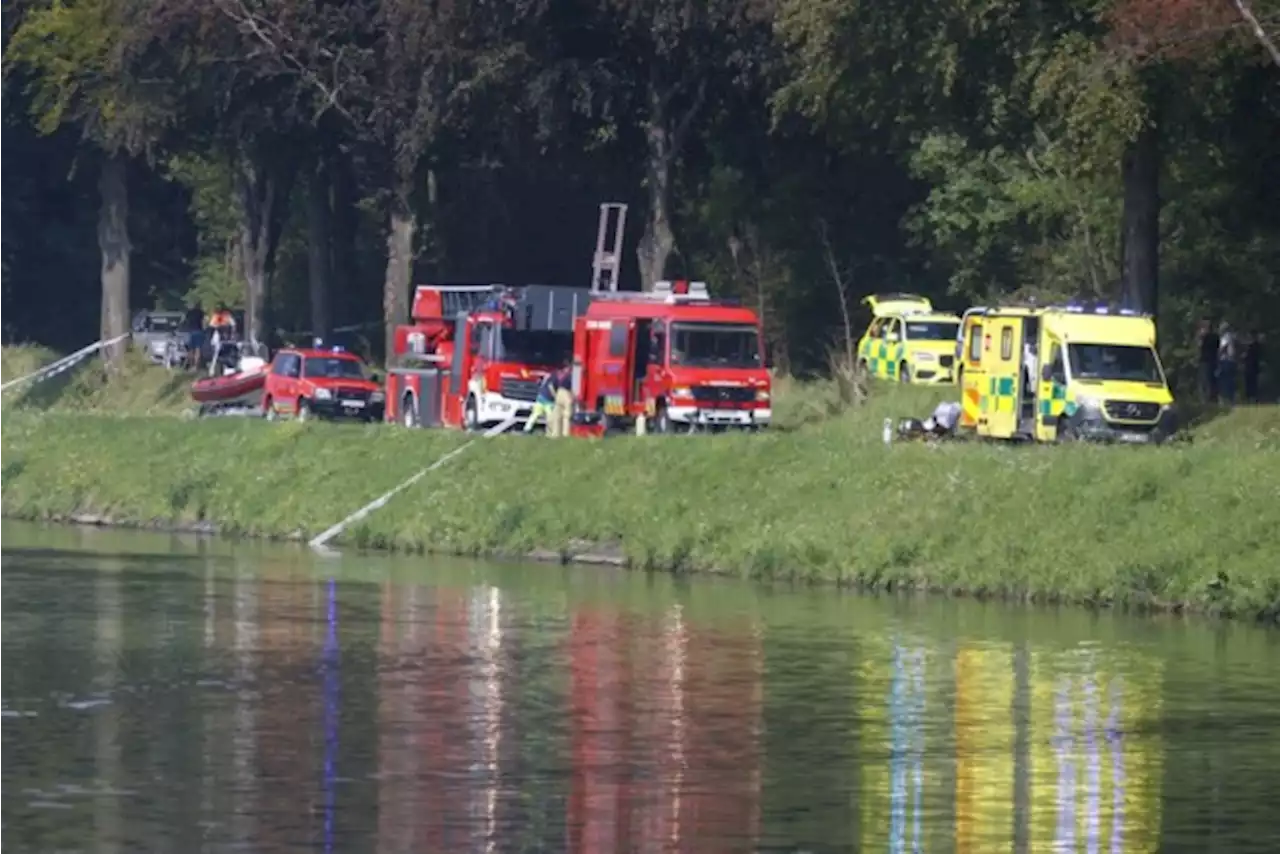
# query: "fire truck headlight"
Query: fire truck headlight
762,394
323,394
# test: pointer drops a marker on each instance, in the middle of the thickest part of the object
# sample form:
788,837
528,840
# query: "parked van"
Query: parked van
1065,373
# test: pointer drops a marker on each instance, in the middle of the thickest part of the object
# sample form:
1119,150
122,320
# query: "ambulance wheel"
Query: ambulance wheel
1066,433
471,415
408,412
904,373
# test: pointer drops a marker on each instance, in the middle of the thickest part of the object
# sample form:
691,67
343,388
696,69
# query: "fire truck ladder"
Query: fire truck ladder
608,257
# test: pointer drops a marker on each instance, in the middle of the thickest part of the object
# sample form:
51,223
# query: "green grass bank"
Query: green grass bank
1190,526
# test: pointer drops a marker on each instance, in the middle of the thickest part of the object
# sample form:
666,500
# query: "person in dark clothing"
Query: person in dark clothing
1208,361
1228,354
1252,365
193,324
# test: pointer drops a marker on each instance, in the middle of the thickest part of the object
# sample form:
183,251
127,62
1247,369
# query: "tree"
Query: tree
86,64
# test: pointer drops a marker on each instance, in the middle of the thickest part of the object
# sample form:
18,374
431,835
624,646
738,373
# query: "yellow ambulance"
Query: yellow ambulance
908,341
1064,373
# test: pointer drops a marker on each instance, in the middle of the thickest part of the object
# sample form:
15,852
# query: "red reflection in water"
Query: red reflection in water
665,735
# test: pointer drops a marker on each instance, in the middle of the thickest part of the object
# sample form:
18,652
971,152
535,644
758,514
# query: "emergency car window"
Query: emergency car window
322,367
287,365
1057,370
715,345
618,340
975,342
534,347
931,331
892,330
1114,362
1006,343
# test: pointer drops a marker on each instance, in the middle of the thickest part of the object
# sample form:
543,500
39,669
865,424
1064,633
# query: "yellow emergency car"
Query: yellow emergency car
1064,373
908,341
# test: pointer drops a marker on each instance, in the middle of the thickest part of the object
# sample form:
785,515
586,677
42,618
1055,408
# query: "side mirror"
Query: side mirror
1046,373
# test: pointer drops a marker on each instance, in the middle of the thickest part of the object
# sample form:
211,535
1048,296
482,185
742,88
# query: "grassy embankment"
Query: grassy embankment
1191,525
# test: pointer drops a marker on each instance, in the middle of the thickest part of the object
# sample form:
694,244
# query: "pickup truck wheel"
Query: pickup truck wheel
269,410
304,411
471,415
408,412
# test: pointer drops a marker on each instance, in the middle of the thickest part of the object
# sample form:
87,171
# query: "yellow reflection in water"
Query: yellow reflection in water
1095,754
984,736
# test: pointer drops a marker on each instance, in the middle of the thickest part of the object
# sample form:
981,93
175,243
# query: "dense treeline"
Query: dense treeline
308,161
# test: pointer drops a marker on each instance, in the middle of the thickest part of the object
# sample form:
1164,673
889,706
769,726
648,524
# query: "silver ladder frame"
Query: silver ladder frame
608,258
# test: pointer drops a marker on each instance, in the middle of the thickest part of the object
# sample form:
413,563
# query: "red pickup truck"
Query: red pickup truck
329,383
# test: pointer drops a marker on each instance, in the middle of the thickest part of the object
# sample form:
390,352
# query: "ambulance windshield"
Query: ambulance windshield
534,347
931,330
715,345
1114,362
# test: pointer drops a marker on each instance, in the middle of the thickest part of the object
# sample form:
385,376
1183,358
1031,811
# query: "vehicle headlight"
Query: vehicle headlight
1089,404
377,397
762,394
323,394
926,357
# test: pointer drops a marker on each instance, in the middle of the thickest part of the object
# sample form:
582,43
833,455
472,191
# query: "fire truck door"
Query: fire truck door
641,348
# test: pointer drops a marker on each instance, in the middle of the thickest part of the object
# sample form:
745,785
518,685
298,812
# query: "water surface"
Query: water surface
172,694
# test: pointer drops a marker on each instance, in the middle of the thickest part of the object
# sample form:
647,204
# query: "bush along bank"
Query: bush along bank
1188,526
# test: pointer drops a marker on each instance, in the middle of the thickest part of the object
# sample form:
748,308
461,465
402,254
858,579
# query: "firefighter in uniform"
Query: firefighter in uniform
562,412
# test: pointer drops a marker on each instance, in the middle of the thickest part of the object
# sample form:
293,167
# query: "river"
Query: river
178,694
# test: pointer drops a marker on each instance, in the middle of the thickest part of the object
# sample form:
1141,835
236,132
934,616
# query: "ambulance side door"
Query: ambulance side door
974,378
1051,401
1004,378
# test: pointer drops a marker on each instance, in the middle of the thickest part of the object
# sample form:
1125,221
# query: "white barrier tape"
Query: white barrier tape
56,367
318,542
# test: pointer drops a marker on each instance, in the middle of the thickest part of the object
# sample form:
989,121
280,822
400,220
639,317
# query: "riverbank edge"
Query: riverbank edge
611,557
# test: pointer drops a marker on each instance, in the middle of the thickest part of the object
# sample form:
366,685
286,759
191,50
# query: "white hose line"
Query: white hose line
56,367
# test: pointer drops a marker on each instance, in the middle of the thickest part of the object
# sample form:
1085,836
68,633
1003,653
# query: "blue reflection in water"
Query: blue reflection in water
330,667
906,709
1065,748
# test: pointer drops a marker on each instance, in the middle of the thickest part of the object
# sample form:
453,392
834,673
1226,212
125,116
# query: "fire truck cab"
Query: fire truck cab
674,356
473,355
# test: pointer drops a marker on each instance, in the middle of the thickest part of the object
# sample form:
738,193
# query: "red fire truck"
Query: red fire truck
673,355
473,355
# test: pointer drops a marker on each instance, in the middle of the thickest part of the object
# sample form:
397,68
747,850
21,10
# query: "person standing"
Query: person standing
1226,363
543,404
1252,366
562,413
193,324
1208,361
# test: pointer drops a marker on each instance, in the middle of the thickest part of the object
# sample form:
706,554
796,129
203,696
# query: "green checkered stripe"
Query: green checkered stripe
998,389
881,359
1054,405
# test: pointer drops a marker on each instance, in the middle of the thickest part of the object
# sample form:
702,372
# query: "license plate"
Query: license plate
1133,438
353,404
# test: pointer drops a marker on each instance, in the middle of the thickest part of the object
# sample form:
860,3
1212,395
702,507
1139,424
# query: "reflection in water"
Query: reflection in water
283,712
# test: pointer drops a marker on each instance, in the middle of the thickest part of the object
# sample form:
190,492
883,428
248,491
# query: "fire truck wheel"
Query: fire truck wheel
471,415
408,412
662,421
904,373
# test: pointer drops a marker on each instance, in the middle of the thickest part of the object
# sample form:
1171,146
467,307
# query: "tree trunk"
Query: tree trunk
395,286
342,237
257,191
1140,233
658,241
318,251
113,241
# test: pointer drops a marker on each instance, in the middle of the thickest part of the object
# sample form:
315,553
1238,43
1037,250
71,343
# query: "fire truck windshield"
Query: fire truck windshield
715,345
333,368
534,347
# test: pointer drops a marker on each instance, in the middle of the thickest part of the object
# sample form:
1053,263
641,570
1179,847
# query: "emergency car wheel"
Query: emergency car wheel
904,373
471,415
408,412
269,410
304,411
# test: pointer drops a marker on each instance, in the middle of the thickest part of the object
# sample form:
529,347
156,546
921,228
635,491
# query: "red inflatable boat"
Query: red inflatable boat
244,386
